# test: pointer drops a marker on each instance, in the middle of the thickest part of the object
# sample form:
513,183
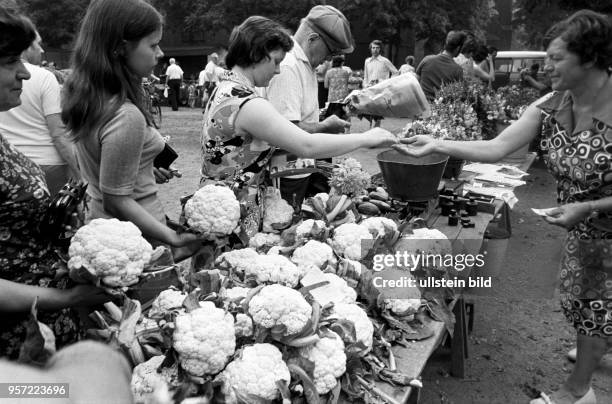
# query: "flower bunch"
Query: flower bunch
348,178
515,100
453,114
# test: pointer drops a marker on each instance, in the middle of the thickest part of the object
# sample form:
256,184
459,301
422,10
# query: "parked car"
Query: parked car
509,64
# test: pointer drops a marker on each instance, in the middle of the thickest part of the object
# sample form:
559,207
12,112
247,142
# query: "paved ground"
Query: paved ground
520,335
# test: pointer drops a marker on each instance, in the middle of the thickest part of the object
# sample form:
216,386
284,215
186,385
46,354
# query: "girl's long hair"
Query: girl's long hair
101,81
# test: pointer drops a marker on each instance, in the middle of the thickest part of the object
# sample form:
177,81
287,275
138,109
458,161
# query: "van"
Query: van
509,64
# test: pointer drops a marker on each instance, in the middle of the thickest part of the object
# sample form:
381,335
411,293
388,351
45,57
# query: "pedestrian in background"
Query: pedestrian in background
435,70
376,69
407,67
174,77
337,80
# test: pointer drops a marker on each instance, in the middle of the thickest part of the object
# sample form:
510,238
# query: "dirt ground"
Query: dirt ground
520,335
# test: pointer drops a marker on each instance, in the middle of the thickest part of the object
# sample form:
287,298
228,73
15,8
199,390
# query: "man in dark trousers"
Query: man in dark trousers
174,77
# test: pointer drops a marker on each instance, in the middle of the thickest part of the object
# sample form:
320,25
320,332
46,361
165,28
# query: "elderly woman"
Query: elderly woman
242,129
27,260
576,124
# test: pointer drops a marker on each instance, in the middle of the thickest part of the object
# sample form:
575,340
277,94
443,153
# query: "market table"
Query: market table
411,360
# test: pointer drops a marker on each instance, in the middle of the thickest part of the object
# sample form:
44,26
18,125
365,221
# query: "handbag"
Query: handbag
59,222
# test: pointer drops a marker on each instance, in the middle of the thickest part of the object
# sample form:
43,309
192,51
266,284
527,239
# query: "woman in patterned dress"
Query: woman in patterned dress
242,129
27,260
576,125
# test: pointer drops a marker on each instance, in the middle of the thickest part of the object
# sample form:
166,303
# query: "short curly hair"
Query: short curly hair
587,34
16,33
254,39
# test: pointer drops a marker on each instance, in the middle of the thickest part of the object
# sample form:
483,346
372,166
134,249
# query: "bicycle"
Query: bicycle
152,103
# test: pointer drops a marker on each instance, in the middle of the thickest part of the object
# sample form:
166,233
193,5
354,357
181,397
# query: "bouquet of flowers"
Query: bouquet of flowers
515,100
453,115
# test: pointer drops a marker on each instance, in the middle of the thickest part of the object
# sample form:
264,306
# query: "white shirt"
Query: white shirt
294,93
377,69
202,78
174,72
212,72
25,126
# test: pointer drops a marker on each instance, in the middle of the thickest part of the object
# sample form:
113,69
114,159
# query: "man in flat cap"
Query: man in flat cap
324,32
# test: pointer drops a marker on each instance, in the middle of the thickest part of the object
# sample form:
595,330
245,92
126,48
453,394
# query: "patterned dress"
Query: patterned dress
25,256
582,164
234,158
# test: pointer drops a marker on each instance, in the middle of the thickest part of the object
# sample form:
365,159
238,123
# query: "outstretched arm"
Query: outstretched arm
259,118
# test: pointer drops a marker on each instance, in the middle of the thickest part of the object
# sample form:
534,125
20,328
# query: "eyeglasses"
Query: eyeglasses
330,51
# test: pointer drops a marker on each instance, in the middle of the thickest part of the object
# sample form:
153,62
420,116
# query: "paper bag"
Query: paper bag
398,97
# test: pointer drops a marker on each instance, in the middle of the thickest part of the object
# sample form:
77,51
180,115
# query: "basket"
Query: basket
411,178
153,283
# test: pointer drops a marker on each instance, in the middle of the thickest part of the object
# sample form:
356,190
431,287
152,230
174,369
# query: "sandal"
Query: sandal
565,397
571,354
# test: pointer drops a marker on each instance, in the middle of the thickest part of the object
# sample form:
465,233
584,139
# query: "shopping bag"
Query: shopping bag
166,92
398,97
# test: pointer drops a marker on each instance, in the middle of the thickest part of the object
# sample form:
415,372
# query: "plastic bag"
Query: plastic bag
166,92
398,97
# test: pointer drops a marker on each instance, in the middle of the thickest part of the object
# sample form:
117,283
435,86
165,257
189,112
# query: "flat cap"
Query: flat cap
333,27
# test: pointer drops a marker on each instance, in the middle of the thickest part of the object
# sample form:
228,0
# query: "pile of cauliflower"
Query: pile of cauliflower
262,326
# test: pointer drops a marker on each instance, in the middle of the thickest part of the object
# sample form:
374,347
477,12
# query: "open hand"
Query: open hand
569,215
416,146
163,175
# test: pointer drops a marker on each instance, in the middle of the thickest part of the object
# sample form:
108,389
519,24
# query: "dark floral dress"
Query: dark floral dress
237,159
582,164
25,256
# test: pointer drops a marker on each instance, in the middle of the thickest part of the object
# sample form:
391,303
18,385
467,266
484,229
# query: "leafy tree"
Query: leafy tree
425,19
533,18
57,20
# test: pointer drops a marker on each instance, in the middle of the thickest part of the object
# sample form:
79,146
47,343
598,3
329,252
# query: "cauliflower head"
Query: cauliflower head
402,307
364,329
146,378
255,372
167,300
235,294
336,291
213,210
329,361
110,249
278,306
278,214
274,269
237,260
427,242
379,226
262,242
348,238
313,253
204,339
305,229
243,325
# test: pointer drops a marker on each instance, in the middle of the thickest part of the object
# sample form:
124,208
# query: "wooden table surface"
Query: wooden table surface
411,360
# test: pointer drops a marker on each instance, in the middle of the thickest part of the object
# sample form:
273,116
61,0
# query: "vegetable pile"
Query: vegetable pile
293,317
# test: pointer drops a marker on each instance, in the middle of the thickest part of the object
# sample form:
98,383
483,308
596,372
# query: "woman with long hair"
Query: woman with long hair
103,107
